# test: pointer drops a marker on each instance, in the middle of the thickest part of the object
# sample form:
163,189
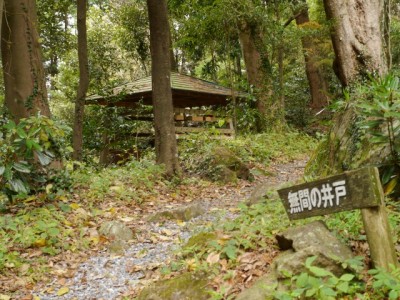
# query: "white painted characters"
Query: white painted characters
328,195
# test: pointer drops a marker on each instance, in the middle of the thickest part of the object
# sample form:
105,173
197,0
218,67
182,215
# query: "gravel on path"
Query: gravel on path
107,276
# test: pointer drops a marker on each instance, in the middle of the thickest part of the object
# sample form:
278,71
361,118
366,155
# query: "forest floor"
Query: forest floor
100,274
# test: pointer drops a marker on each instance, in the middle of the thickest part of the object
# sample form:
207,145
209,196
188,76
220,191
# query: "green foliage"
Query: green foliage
27,150
386,285
132,182
259,149
253,229
318,283
45,227
380,112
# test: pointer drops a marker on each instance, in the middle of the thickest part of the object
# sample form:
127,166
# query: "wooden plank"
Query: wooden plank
197,118
351,190
179,117
201,129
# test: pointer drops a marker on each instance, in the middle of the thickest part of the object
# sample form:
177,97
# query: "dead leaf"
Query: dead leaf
62,291
74,206
39,243
4,297
213,258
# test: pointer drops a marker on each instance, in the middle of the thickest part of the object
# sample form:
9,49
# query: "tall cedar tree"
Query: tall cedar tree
160,48
359,51
24,77
77,138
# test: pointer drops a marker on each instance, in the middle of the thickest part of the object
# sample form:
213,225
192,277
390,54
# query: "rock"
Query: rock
313,239
201,239
262,289
114,230
225,175
183,213
184,287
300,243
223,160
260,193
118,234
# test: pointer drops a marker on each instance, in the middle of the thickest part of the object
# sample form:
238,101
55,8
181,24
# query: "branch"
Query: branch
293,18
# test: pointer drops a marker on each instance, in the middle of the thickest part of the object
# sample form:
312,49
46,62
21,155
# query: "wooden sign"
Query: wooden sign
350,190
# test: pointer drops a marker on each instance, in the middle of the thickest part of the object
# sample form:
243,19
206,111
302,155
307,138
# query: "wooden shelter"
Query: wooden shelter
193,100
187,92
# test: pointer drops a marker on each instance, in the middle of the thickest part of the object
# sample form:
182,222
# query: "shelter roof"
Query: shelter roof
187,91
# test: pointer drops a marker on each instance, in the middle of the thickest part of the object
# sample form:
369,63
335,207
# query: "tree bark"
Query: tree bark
165,139
316,80
357,38
24,76
269,106
77,138
253,62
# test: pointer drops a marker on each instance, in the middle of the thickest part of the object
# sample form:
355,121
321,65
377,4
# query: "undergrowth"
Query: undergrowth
254,149
40,227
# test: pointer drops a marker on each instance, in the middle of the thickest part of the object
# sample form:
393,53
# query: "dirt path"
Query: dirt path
108,276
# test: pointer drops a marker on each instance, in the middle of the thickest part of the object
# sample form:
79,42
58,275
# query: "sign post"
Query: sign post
359,189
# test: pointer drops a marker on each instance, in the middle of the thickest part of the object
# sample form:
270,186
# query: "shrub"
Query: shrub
28,153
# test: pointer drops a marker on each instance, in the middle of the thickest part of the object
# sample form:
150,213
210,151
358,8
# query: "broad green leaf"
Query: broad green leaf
310,260
347,277
21,132
319,272
371,124
327,291
230,251
2,169
53,232
311,292
343,287
394,294
22,167
43,158
19,186
302,280
10,125
387,174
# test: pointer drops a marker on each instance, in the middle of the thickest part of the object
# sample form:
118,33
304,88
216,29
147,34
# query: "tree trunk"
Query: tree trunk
253,62
357,38
1,14
165,140
269,106
316,80
77,138
24,77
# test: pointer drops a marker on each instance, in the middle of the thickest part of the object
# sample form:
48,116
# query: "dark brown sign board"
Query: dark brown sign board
351,190
347,191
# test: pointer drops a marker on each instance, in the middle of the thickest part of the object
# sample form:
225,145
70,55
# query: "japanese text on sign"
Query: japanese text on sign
327,195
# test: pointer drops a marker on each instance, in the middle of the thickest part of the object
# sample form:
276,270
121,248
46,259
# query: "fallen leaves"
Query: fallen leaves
62,291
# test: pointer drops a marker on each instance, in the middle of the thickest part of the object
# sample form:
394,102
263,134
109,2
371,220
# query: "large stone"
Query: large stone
261,192
184,287
182,213
262,289
114,230
313,239
118,234
299,243
224,159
